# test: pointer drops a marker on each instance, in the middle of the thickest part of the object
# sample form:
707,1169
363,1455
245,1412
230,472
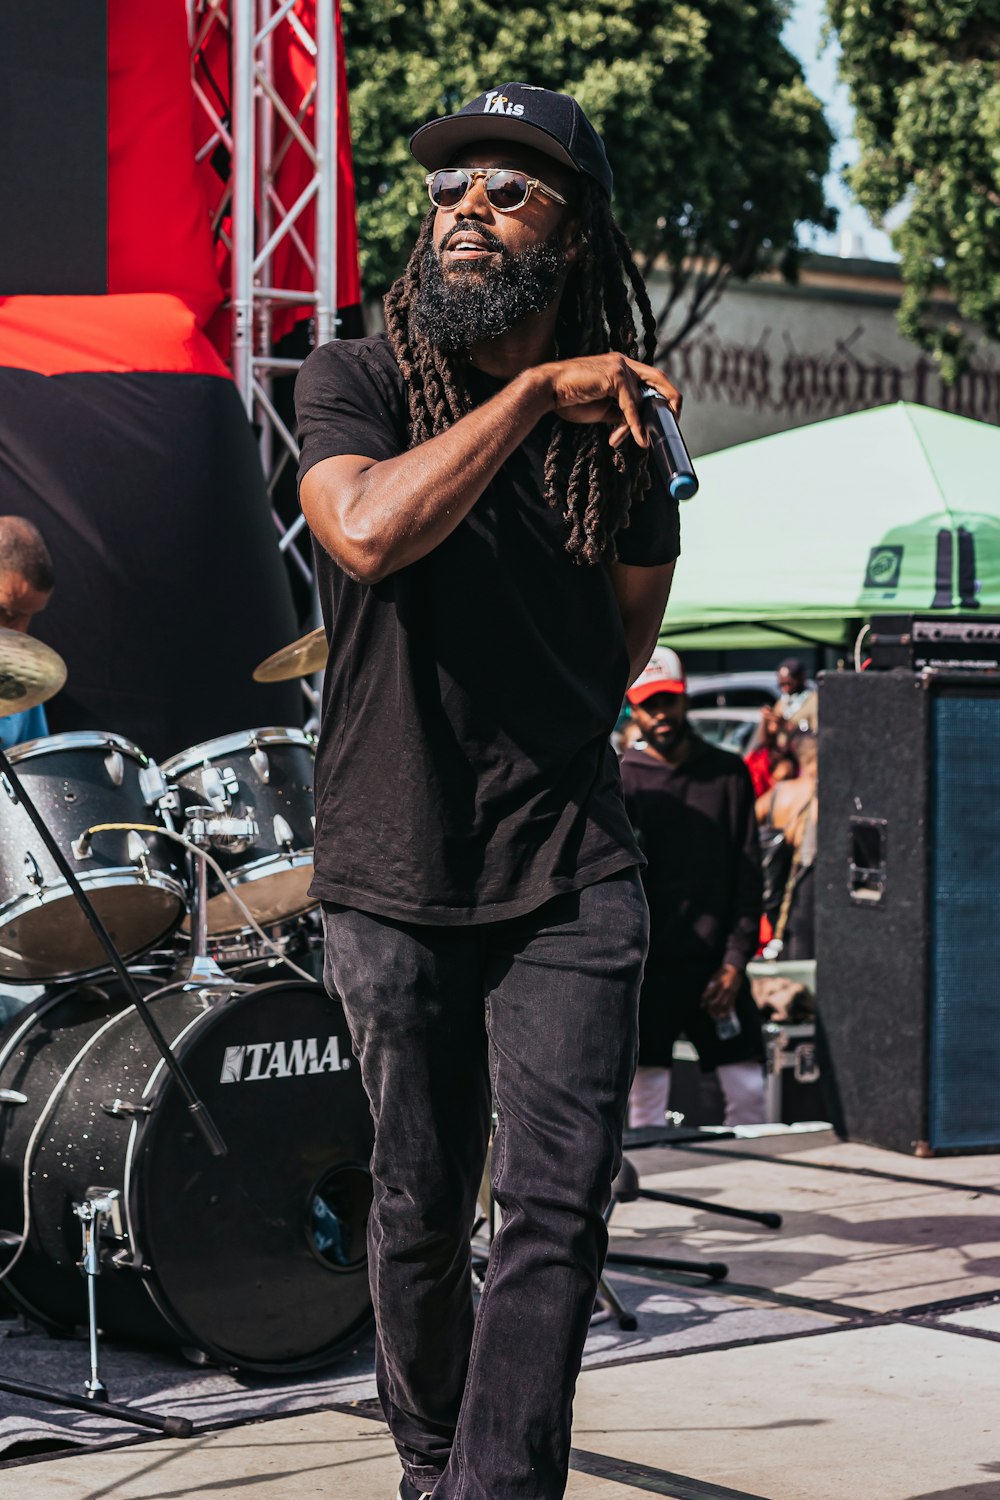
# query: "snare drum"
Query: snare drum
265,775
133,879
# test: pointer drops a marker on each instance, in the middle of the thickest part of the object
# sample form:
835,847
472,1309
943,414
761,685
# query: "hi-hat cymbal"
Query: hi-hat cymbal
30,672
300,659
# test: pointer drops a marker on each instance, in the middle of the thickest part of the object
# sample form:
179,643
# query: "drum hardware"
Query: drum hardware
221,787
120,1108
12,1096
91,1213
114,764
205,828
138,853
200,968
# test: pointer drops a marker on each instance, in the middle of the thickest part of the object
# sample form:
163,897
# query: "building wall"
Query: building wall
771,356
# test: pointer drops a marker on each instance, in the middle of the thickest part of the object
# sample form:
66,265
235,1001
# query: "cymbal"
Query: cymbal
300,659
30,672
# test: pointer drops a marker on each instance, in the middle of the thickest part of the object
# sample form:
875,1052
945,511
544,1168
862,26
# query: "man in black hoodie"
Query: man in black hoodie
692,806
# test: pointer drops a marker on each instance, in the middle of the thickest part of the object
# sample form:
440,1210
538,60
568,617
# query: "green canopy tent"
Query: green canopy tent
801,536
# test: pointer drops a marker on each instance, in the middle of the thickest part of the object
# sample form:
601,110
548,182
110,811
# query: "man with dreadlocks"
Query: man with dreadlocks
493,566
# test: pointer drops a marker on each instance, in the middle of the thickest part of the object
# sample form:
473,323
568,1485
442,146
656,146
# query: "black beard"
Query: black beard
472,305
671,739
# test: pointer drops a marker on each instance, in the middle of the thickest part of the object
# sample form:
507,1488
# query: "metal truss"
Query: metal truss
253,119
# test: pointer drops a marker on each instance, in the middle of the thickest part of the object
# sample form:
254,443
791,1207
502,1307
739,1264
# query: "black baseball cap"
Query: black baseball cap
549,122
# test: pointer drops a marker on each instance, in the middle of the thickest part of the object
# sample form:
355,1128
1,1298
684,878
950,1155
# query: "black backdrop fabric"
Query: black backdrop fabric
54,162
169,584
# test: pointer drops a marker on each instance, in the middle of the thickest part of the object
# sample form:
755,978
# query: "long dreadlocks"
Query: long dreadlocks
592,484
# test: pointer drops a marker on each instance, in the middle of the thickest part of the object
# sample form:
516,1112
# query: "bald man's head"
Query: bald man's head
26,575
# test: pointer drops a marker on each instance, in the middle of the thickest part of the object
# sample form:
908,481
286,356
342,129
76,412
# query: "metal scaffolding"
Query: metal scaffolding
251,121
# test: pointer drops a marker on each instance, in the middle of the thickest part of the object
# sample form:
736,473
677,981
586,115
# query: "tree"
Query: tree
925,84
719,148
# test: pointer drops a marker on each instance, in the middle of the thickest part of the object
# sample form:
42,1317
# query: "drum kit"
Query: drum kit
192,1118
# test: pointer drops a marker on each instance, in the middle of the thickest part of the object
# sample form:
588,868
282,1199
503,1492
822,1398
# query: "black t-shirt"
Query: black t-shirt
464,772
696,826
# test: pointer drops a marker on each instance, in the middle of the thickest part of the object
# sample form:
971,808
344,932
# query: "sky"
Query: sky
803,36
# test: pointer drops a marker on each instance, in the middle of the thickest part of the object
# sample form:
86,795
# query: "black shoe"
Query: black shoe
409,1491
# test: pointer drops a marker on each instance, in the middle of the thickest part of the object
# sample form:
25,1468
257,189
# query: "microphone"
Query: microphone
667,445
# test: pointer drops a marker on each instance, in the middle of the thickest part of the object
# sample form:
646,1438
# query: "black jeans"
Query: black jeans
534,1018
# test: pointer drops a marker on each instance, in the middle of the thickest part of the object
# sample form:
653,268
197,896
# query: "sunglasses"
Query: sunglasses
505,190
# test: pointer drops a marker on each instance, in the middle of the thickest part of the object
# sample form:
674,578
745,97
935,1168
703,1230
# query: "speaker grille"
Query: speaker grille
965,924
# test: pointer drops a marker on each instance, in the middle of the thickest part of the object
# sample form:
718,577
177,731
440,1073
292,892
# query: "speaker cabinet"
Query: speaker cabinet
908,909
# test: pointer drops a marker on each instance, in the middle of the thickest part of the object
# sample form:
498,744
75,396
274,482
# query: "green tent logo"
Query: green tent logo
884,567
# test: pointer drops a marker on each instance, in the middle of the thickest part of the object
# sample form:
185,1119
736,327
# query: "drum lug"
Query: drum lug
283,835
33,872
261,764
12,1096
124,1108
114,764
127,1260
137,853
8,789
153,785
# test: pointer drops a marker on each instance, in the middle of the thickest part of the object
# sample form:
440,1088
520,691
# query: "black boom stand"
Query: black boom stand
92,1209
627,1188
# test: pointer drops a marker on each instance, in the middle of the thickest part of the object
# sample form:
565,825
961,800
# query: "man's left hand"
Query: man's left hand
721,990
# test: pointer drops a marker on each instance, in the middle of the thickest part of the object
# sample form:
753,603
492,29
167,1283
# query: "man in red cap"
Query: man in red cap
692,806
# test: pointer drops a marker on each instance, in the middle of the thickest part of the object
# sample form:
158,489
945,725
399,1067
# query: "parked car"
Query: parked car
735,729
732,689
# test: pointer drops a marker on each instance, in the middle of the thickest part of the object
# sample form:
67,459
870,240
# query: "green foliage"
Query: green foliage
925,82
719,149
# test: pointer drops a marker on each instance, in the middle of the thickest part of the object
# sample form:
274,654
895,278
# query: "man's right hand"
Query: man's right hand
605,388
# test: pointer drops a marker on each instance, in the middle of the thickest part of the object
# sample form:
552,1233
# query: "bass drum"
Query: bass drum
258,1257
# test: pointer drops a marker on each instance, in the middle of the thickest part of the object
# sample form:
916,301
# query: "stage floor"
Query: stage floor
851,1355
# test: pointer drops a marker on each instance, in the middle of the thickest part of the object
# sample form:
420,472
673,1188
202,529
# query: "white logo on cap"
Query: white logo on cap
499,104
